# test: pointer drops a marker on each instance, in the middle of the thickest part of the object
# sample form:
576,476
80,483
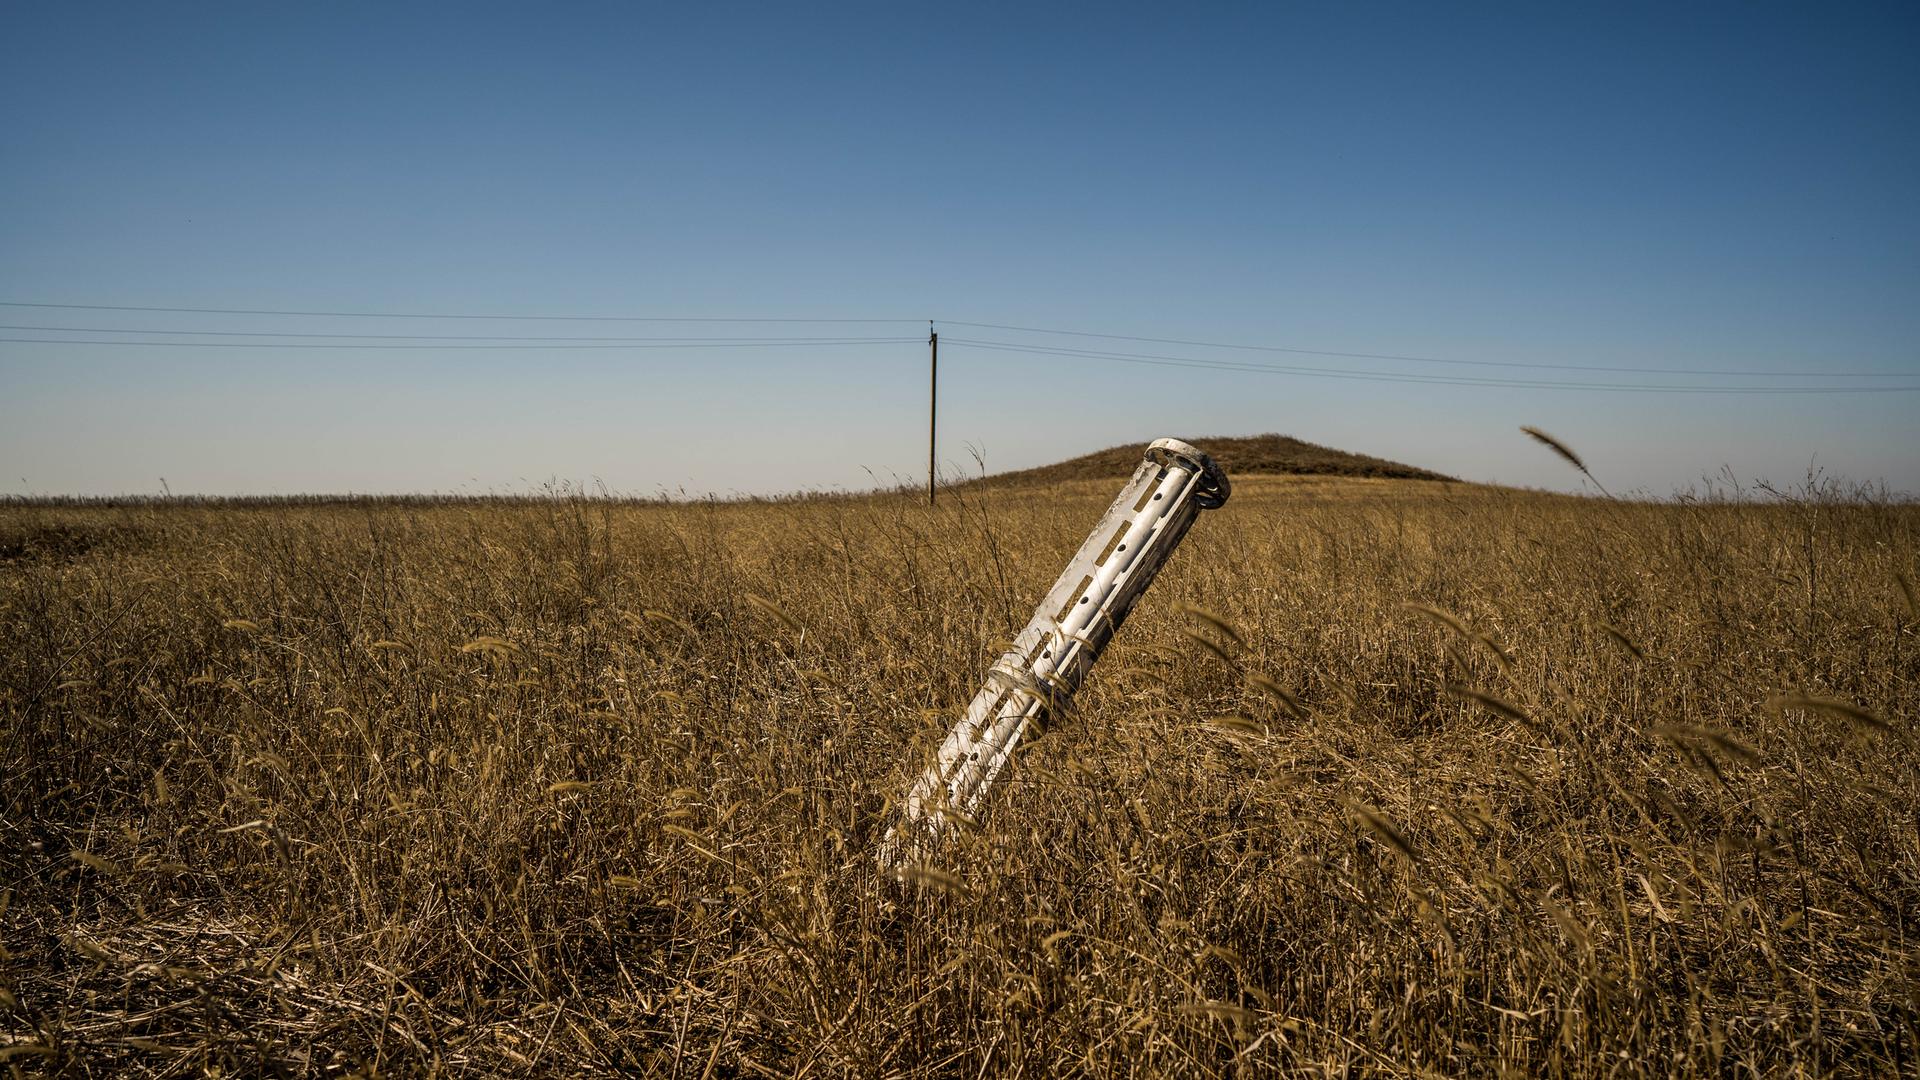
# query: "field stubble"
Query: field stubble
1439,779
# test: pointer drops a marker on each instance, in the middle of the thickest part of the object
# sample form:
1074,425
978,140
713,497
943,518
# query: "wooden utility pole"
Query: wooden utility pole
933,400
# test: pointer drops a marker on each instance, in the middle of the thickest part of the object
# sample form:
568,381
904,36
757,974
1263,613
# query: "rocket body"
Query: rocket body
1069,630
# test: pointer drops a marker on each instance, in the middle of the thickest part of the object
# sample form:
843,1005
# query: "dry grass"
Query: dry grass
1499,783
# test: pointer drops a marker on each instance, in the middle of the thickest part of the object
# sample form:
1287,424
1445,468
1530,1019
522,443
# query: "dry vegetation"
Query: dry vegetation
1535,785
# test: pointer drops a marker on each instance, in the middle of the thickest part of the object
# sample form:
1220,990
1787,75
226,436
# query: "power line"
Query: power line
1438,360
1392,377
410,337
648,342
423,315
707,344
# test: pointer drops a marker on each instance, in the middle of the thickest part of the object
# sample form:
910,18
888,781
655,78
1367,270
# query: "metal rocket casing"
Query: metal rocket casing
1072,626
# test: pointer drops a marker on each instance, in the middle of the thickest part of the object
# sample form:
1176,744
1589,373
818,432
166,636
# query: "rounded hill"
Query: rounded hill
1243,455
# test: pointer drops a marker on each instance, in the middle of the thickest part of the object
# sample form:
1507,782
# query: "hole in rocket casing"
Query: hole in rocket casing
1143,495
1068,606
1113,544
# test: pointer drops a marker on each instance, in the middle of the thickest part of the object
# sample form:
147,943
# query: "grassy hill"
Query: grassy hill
1246,455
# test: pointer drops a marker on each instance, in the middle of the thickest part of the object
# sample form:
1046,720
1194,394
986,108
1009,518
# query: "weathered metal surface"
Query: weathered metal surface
1052,656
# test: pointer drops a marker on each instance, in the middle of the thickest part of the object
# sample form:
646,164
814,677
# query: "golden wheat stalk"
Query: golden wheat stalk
1566,453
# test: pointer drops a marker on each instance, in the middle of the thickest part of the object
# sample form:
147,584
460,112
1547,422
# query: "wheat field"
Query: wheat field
1383,777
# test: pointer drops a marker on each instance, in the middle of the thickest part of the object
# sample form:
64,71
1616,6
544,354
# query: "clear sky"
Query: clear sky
1674,187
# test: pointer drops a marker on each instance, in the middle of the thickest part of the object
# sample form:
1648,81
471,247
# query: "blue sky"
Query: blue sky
1657,187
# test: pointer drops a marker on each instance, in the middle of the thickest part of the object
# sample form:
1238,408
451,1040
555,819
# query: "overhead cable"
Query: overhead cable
415,337
709,344
1393,377
445,315
1438,360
